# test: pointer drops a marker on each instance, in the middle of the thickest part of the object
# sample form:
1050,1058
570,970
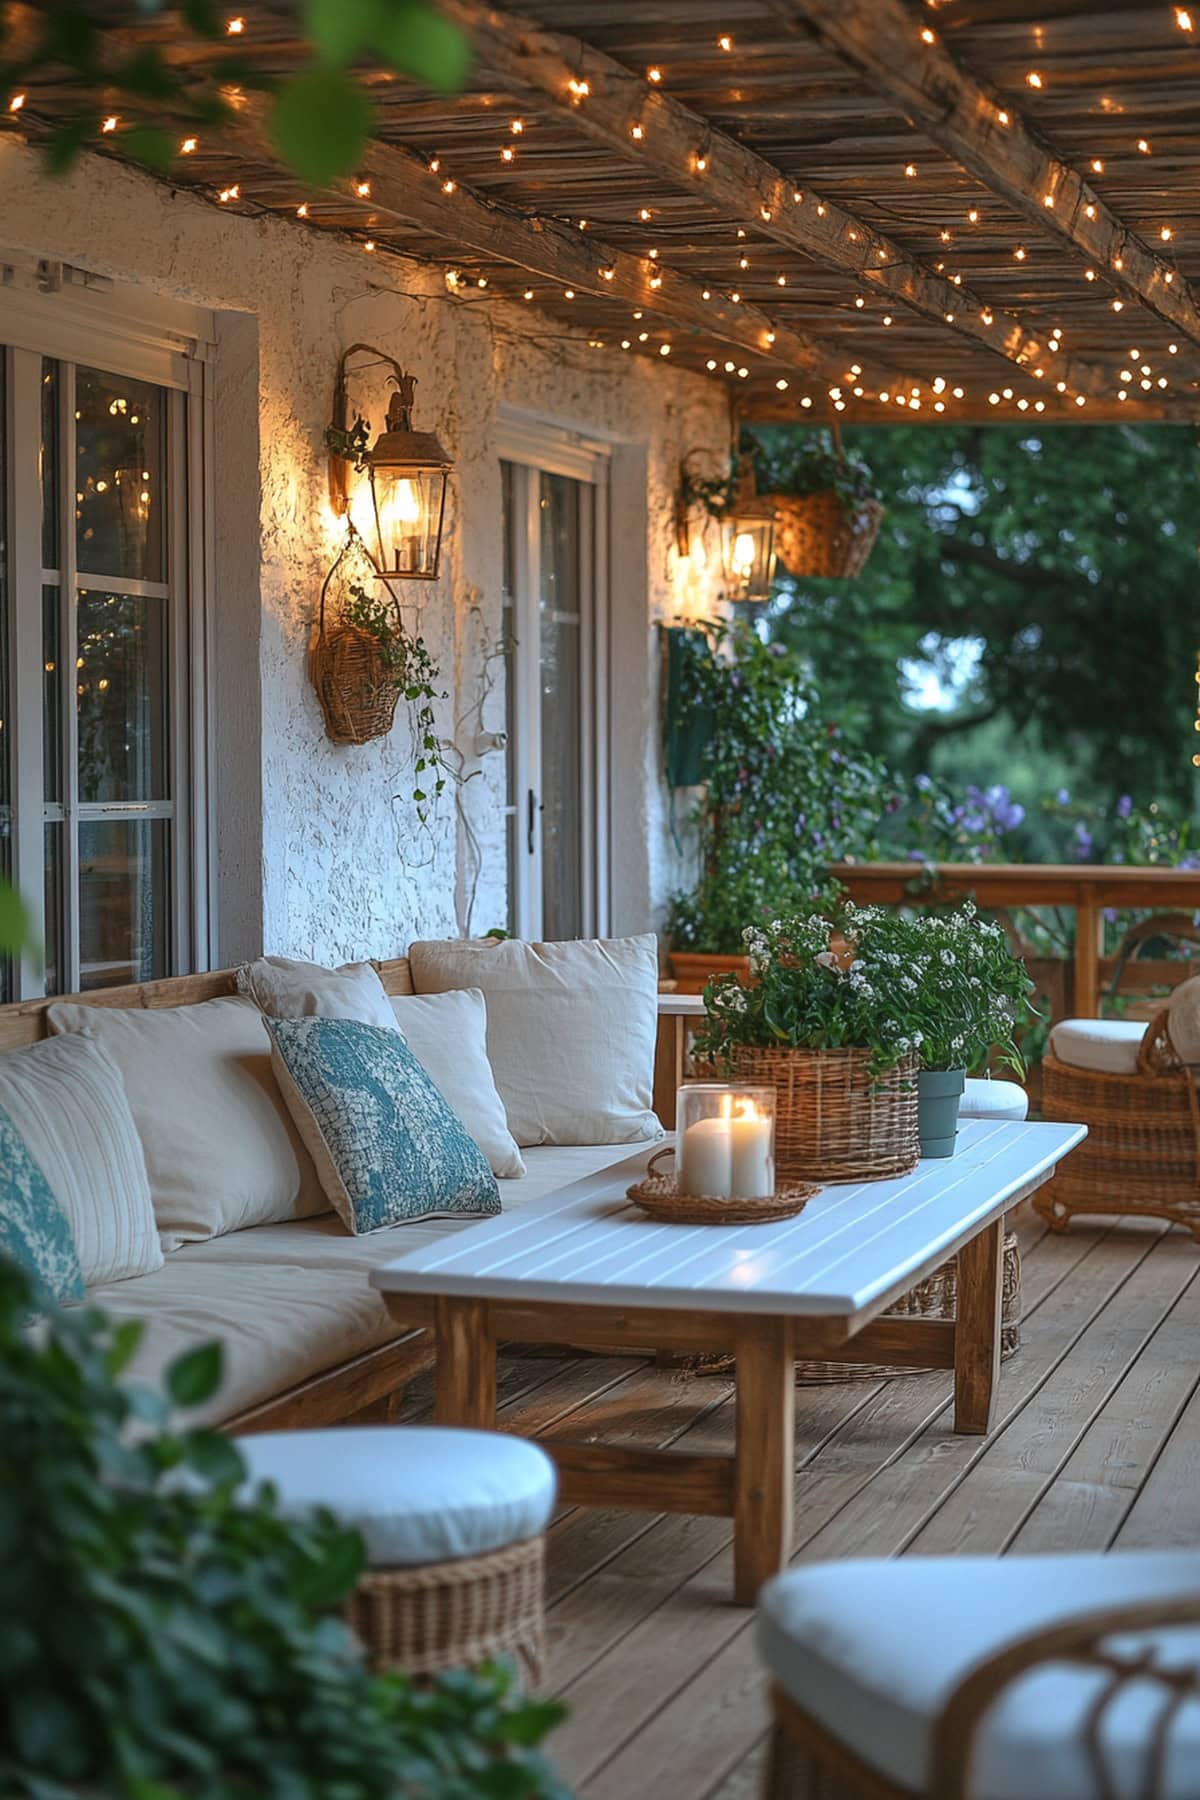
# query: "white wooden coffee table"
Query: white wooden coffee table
585,1267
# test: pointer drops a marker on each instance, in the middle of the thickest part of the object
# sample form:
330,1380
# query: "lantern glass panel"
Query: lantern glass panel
748,549
725,1140
409,503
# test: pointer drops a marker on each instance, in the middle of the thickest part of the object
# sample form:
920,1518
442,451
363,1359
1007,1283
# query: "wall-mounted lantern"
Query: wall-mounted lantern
407,471
748,539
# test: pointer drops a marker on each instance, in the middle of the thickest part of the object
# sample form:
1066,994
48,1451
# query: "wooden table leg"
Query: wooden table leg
764,1475
465,1376
977,1329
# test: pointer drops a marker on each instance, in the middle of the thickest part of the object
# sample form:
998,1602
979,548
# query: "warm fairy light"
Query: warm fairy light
1143,146
230,193
987,315
654,75
1002,116
881,253
821,211
1090,210
781,281
1172,349
798,197
944,236
993,399
736,297
516,126
363,189
645,215
1033,79
1081,399
770,337
743,262
806,402
949,318
453,280
730,367
1089,274
637,132
701,164
235,27
583,225
372,245
910,169
1166,234
957,392
1097,166
1060,387
1007,393
448,187
652,254
1020,253
435,163
607,274
1118,305
302,211
579,90
16,103
973,216
664,349
706,293
188,147
927,36
853,236
111,123
568,293
887,318
507,153
725,43
1183,18
656,281
859,301
781,384
1169,277
742,374
711,363
1047,199
764,213
528,294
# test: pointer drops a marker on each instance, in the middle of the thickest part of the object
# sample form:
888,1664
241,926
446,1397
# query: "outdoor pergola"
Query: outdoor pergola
868,208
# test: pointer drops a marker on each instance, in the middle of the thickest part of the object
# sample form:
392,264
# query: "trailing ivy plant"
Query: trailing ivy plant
170,1635
416,676
319,118
783,792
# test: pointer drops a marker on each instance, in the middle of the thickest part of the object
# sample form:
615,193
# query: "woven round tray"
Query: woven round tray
659,1196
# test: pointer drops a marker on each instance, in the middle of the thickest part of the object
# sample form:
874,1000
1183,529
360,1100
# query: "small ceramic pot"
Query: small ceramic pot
938,1095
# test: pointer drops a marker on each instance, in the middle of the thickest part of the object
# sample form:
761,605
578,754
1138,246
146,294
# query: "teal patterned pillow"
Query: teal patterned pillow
387,1147
33,1227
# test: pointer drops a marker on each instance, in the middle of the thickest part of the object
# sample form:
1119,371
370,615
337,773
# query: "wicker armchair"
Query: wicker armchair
1142,1151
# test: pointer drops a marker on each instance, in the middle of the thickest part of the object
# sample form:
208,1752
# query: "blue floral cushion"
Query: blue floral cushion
34,1230
388,1148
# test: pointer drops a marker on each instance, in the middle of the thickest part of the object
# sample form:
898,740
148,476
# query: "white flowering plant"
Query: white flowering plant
943,986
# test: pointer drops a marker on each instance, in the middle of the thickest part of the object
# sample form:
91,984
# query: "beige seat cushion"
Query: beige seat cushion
571,1030
1109,1046
290,1301
221,1151
67,1100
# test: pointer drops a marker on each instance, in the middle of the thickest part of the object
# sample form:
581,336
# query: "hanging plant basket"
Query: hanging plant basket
823,535
355,684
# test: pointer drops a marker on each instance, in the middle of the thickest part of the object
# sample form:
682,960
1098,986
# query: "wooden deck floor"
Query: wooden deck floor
1097,1445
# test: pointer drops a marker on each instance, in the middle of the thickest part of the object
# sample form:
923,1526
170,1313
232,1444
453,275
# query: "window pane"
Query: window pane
48,464
52,686
118,485
562,833
121,686
122,901
53,882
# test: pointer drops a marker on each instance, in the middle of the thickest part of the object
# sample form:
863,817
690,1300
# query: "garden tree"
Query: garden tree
1067,560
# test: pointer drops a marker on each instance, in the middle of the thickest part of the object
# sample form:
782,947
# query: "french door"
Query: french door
98,776
555,494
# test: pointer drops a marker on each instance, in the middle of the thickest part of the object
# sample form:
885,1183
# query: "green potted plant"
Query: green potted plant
781,792
828,508
959,993
170,1636
821,1024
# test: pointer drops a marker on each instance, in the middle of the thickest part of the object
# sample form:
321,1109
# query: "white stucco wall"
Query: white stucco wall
314,857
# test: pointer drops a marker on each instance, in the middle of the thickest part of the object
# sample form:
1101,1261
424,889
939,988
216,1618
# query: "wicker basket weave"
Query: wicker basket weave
834,1120
1142,1151
455,1615
354,684
818,535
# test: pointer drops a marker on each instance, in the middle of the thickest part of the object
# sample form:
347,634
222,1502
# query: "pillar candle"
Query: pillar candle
706,1158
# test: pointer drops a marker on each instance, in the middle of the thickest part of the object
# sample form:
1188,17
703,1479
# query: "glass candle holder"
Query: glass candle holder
725,1140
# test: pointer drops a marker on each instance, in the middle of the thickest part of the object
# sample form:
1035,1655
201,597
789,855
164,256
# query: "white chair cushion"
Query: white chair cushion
1183,1011
447,1033
418,1493
571,1030
871,1650
1107,1045
983,1099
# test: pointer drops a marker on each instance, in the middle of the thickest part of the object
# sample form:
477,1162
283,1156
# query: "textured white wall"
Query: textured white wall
314,852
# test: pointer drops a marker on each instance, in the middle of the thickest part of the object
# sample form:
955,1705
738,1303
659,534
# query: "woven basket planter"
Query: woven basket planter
834,1119
819,535
455,1615
354,684
1142,1151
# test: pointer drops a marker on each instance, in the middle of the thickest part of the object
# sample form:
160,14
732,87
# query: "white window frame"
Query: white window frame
534,445
52,310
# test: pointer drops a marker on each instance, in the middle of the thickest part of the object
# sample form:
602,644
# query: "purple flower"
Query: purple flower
1124,806
917,856
1110,913
1083,841
1063,796
923,783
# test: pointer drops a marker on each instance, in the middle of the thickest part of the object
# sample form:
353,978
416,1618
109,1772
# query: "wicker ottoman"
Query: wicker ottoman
1138,1101
453,1523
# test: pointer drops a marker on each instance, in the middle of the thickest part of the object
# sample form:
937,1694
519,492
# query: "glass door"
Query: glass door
556,703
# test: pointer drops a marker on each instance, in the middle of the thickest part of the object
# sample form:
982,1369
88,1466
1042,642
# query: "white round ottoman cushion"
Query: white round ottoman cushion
984,1099
419,1494
1109,1046
871,1650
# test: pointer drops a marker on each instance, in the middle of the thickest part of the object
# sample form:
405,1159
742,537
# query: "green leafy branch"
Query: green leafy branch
417,678
320,118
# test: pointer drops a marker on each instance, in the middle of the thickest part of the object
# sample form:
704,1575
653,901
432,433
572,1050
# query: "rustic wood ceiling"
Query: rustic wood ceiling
991,207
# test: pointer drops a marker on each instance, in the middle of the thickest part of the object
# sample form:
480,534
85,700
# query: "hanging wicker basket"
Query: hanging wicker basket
822,535
834,1119
355,685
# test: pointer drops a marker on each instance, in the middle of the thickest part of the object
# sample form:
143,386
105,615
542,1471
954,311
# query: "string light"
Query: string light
528,294
781,384
1183,18
725,43
111,123
701,163
371,245
973,216
507,153
188,147
1020,253
1166,234
637,132
736,297
645,215
235,27
1002,116
1097,166
664,349
711,363
1033,79
448,187
859,301
654,75
910,169
579,90
927,36
1089,274
1143,146
363,189
887,318
435,163
16,103
230,193
516,126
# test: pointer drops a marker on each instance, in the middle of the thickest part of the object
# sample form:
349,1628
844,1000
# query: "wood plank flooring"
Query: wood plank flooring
1096,1444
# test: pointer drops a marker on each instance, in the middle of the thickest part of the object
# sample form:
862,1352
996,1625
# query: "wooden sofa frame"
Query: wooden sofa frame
372,1383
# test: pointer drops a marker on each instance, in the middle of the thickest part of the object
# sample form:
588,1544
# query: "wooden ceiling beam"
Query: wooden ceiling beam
903,55
607,100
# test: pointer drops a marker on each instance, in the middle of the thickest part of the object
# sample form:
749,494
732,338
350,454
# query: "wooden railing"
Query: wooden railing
1087,888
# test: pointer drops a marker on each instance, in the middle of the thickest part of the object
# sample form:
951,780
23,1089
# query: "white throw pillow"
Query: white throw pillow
67,1101
571,1029
221,1149
284,989
447,1033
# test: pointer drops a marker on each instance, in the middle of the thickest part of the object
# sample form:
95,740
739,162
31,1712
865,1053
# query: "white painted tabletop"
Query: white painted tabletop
853,1244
